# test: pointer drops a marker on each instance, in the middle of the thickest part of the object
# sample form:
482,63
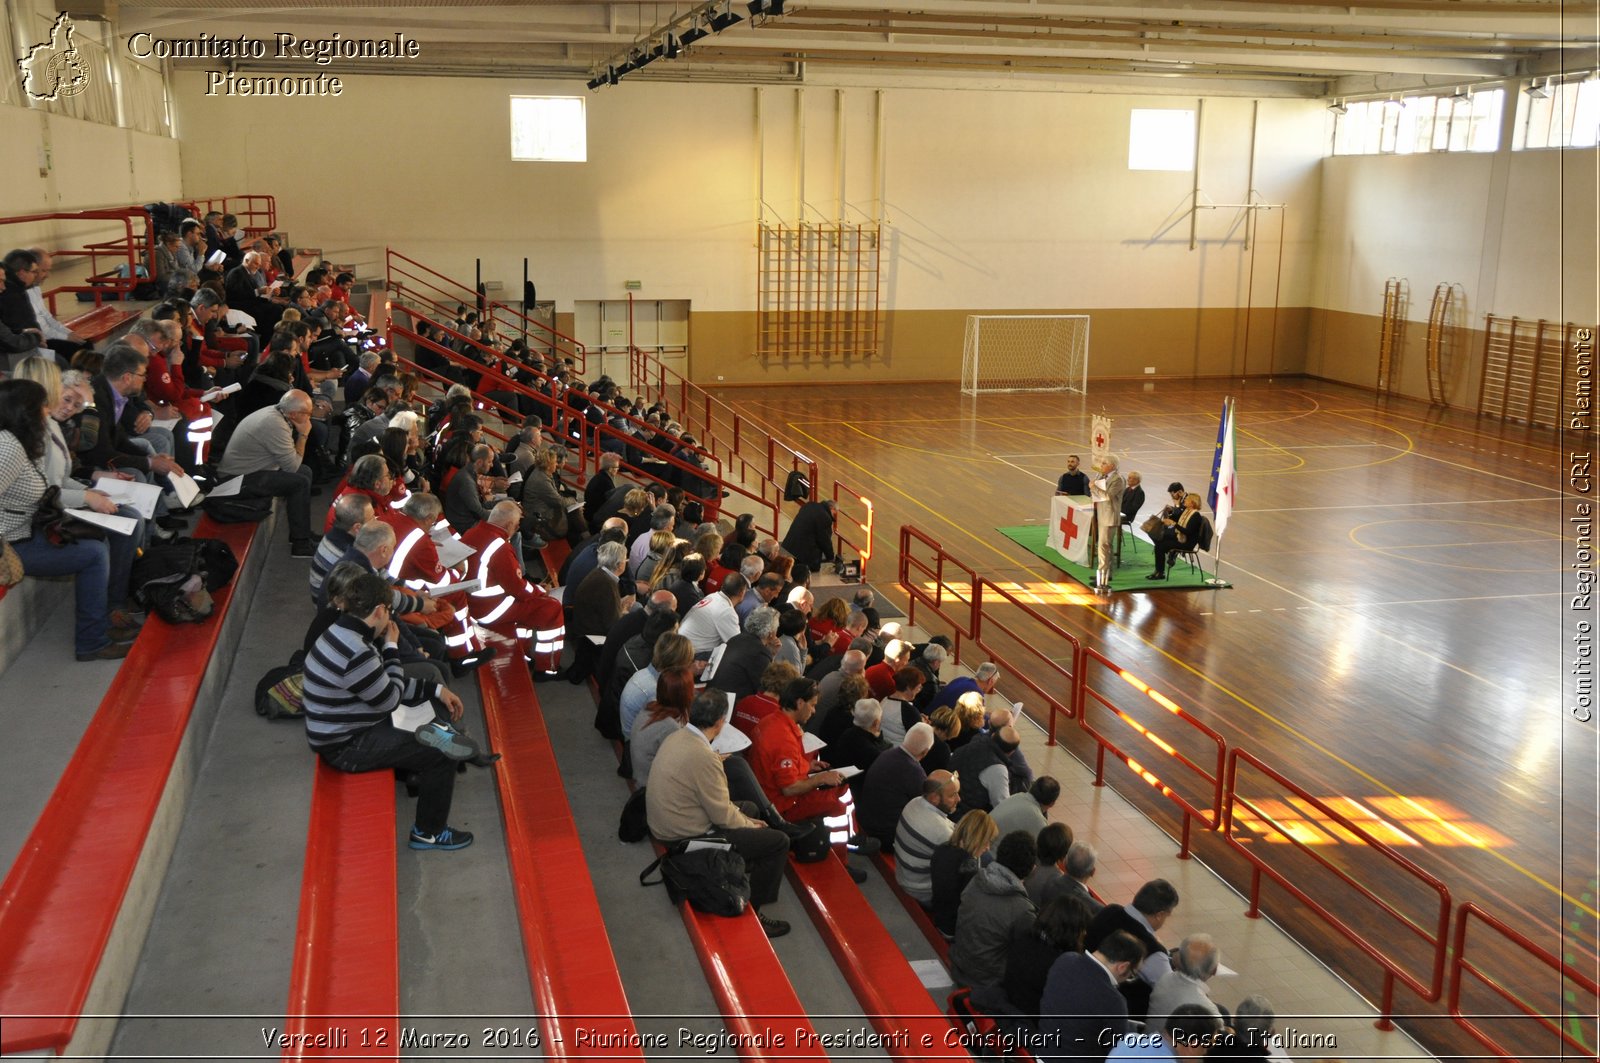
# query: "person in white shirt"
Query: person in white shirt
714,619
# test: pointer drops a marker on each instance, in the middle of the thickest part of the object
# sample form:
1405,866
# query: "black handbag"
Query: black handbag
50,521
711,877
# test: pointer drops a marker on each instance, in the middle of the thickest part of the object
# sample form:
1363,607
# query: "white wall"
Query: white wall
1516,229
996,200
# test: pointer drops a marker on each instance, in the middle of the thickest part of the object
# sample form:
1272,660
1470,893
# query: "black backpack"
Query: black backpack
280,695
210,559
814,847
634,827
711,877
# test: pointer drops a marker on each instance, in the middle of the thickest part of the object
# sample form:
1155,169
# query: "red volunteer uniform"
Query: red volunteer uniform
507,604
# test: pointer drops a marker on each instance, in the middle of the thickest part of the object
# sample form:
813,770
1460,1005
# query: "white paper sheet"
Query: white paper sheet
228,488
140,496
218,393
169,423
410,717
810,742
439,590
453,551
185,488
731,740
710,670
110,521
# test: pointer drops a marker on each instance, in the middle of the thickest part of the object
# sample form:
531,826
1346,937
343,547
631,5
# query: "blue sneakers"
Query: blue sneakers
449,839
447,740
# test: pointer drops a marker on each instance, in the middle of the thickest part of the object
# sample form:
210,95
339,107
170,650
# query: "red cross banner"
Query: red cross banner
1069,530
1099,440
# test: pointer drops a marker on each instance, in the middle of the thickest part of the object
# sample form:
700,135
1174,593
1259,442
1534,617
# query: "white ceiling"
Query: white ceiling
1263,48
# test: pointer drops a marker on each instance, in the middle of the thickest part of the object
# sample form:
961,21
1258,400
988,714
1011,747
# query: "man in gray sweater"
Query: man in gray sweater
268,449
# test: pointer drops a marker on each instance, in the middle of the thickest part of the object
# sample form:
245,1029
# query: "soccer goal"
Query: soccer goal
1025,352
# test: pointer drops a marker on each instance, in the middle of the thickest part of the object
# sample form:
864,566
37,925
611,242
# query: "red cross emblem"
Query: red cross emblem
1069,532
1100,441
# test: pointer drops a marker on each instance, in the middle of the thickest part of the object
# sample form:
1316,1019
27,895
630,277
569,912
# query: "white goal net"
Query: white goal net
1025,352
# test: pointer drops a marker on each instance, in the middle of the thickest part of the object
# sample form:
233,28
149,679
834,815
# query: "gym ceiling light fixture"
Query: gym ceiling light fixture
670,40
1537,91
1338,107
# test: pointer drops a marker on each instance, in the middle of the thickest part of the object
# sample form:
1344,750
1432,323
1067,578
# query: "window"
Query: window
548,129
1567,115
1468,122
1161,140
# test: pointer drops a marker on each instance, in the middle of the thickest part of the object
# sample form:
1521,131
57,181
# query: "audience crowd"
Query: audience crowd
746,708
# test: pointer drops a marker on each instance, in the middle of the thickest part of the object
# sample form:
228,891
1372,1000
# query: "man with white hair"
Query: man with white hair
505,603
880,676
762,590
894,780
1106,491
1197,961
268,449
597,603
826,723
747,654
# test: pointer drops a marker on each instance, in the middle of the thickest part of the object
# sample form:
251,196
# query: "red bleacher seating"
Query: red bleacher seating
347,945
61,900
892,997
919,915
571,967
99,323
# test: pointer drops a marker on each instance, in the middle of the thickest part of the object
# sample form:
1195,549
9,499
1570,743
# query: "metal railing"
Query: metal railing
1568,1032
1167,752
853,529
409,278
1034,646
973,608
1428,986
257,214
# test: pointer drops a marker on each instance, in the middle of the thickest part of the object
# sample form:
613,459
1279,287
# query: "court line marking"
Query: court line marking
1422,810
1127,452
1403,505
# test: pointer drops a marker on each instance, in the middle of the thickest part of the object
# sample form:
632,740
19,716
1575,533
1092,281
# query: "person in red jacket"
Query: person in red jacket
416,564
368,476
506,603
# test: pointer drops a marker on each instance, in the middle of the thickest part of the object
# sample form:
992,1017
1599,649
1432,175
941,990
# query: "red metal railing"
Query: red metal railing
135,248
409,278
1090,695
851,529
1569,1031
1428,986
944,599
130,251
743,440
257,214
963,600
1035,646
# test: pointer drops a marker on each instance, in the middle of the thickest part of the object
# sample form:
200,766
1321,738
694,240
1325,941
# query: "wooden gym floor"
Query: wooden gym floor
1396,629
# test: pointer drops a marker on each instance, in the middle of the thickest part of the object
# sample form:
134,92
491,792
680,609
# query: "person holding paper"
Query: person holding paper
23,443
124,544
689,798
797,788
1106,492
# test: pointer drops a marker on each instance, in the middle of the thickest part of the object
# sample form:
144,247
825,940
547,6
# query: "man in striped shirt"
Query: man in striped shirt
353,683
924,826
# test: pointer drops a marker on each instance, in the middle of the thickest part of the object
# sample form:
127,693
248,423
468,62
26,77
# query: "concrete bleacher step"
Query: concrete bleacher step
660,971
79,899
224,936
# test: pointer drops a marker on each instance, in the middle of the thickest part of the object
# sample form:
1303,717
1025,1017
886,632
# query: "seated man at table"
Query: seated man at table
1074,481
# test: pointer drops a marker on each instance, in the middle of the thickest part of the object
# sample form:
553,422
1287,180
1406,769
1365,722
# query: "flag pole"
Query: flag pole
1216,580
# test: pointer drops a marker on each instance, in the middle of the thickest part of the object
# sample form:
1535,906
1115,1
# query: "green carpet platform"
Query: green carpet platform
1138,561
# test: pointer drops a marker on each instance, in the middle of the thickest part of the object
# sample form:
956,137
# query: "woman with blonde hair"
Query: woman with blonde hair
955,862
